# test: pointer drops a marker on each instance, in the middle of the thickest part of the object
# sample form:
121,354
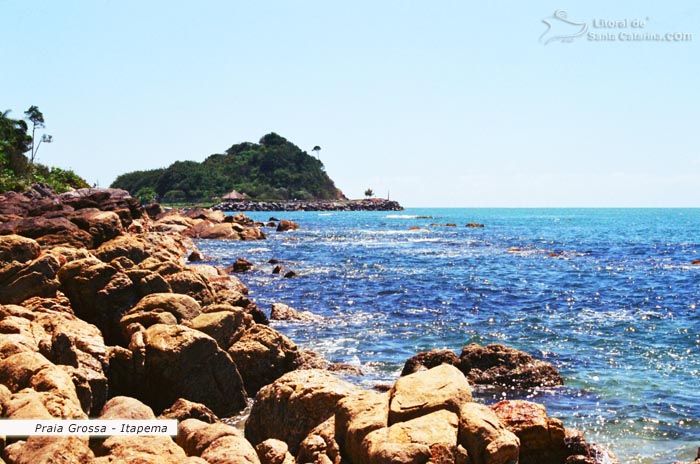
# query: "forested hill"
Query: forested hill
273,169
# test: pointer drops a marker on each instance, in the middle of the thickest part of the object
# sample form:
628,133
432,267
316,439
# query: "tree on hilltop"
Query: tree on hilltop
37,119
369,193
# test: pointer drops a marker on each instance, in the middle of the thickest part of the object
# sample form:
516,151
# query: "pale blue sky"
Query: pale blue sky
445,103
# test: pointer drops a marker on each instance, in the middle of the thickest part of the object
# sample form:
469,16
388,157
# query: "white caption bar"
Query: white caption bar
22,427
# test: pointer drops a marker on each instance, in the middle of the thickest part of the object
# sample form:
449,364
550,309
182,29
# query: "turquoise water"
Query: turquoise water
608,295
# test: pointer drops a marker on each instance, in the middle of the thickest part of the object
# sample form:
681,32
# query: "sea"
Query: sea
611,297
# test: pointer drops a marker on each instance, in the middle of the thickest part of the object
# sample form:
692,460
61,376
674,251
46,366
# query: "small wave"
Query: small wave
258,250
401,216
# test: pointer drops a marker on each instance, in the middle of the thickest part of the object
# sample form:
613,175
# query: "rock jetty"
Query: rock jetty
372,204
102,316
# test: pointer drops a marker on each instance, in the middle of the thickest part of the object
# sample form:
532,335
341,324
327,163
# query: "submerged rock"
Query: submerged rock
285,225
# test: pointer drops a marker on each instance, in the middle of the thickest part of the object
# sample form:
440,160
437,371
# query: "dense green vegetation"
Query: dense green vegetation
273,169
18,150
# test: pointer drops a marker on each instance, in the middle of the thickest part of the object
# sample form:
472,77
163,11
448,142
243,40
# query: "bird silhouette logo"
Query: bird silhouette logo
561,28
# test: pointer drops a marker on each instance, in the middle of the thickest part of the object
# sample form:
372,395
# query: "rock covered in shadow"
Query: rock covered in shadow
506,367
496,365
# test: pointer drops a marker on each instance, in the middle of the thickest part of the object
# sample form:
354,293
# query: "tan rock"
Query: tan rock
124,407
195,436
226,327
428,438
161,308
18,248
142,449
209,214
282,312
442,387
19,282
49,450
320,445
252,233
193,284
183,409
289,408
484,437
30,404
356,416
541,437
64,340
101,225
231,448
273,451
263,355
184,363
31,370
99,294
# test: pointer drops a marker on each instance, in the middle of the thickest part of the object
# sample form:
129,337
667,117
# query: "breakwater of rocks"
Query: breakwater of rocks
372,204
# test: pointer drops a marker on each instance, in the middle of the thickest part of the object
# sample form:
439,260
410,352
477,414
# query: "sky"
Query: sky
434,102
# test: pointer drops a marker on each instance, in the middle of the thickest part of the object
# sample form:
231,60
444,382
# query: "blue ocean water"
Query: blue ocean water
610,296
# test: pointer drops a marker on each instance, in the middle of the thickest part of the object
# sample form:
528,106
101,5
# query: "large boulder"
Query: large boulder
161,308
226,327
229,449
125,407
320,445
485,438
542,438
101,225
20,281
263,355
273,451
440,388
289,408
428,438
184,363
18,248
356,416
183,409
506,367
193,284
215,443
99,294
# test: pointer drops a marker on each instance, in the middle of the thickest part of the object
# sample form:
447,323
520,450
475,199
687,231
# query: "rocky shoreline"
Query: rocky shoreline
107,312
372,204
